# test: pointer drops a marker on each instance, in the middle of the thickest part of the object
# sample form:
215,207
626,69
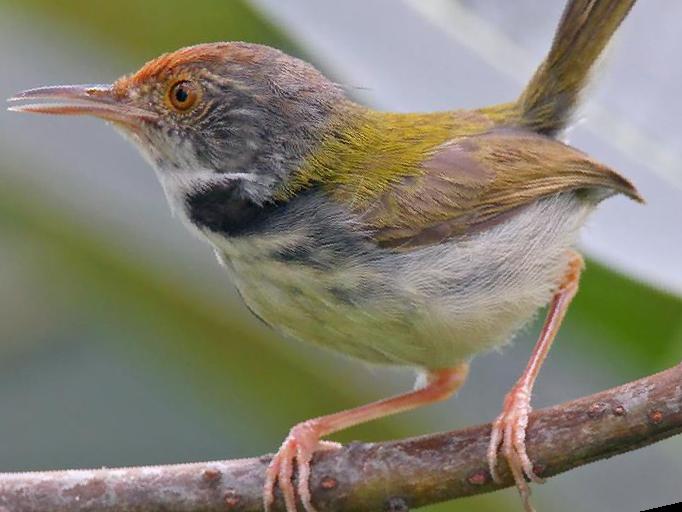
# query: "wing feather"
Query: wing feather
473,182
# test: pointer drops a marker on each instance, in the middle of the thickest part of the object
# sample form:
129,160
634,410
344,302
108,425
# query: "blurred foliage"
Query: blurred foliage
146,29
170,326
639,324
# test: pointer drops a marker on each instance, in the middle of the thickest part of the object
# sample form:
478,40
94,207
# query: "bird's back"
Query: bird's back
420,179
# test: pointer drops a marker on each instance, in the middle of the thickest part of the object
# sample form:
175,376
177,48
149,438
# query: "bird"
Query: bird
416,240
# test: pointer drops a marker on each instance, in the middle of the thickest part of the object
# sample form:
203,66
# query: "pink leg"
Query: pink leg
509,429
304,439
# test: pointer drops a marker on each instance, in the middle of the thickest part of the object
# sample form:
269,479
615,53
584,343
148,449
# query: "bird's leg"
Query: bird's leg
509,429
304,439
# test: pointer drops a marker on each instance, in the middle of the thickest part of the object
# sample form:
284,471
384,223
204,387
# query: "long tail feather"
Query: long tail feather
585,29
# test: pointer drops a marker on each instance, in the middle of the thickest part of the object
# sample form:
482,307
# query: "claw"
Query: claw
509,429
299,447
304,439
509,434
270,480
493,448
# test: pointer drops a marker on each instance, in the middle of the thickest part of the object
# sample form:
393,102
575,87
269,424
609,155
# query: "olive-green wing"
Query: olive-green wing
470,183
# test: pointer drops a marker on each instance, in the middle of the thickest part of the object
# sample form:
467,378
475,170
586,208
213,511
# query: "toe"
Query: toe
280,471
303,459
270,481
494,446
527,505
285,474
297,450
522,454
327,446
516,467
514,424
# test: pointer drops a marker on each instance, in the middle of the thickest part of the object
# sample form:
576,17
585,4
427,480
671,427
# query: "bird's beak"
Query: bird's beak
76,100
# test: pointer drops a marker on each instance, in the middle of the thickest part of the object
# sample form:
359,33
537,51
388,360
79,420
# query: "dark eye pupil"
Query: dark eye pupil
181,94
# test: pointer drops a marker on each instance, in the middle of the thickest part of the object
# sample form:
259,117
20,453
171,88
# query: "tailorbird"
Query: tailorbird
416,240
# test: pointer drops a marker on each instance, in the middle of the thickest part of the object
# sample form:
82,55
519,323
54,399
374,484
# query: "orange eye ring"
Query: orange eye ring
183,95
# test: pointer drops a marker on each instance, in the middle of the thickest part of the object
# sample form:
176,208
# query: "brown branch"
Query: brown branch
383,476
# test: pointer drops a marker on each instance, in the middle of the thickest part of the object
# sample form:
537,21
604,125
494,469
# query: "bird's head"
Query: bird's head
210,115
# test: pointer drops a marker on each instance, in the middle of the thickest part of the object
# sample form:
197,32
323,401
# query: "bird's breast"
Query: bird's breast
310,275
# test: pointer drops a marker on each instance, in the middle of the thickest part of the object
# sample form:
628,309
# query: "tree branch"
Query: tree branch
380,476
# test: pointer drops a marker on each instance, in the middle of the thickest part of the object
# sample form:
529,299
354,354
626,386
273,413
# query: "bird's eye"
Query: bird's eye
183,95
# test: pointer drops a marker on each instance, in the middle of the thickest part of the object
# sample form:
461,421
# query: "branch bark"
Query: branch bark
392,476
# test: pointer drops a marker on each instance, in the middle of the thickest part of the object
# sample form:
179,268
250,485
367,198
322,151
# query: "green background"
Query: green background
113,351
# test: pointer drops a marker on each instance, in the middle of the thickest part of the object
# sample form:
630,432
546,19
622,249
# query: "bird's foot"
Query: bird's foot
299,446
509,434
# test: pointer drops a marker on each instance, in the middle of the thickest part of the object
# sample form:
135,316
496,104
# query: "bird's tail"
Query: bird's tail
550,98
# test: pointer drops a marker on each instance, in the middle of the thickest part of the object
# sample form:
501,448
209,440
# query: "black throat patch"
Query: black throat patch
223,209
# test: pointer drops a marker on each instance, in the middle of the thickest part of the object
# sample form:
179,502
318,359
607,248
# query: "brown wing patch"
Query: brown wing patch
475,182
451,181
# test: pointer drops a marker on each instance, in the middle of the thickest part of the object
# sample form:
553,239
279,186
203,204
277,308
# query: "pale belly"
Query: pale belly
431,307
